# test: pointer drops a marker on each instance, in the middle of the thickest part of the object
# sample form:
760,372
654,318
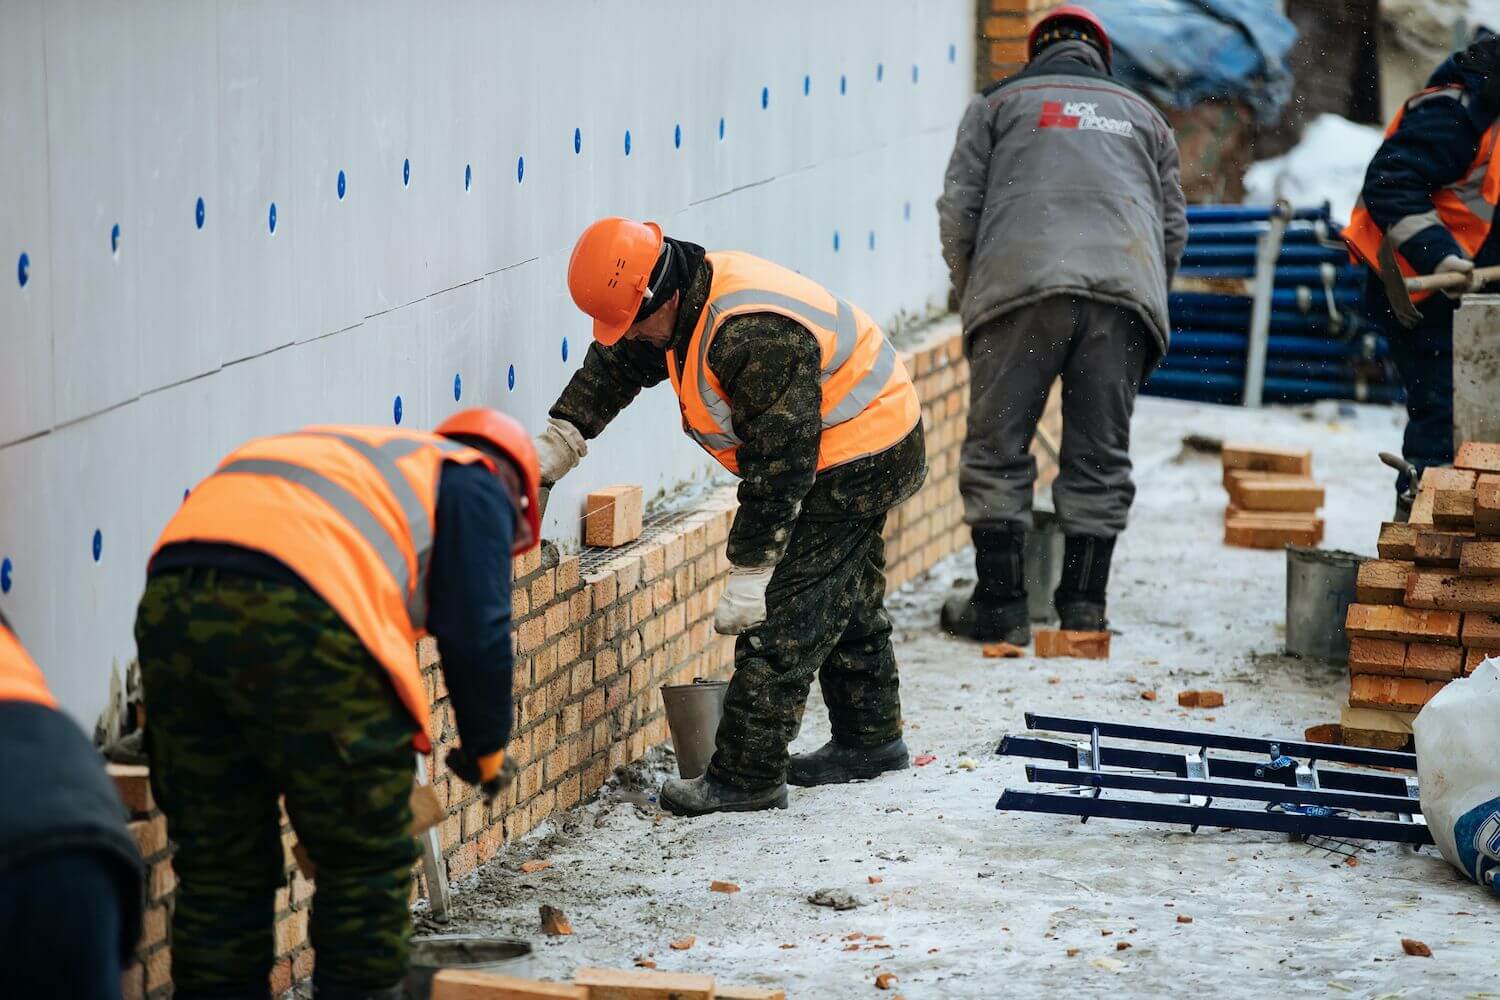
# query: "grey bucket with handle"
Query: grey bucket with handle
1044,559
473,953
1319,590
693,713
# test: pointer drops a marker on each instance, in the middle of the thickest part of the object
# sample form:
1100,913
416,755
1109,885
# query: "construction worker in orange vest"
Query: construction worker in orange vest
70,874
799,394
277,640
1430,193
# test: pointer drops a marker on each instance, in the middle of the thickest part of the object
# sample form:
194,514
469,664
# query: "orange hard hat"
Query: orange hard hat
609,275
508,437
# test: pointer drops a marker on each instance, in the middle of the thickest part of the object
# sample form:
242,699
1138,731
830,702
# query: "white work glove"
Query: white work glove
743,605
1454,264
558,449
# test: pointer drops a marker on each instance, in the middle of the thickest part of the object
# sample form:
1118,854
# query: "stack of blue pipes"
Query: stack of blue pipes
1319,348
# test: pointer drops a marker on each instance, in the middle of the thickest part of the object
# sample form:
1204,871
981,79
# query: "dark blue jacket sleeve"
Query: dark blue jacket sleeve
1432,148
468,603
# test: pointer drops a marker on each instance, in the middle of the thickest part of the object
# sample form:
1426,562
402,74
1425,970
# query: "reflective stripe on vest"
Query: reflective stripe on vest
20,678
352,517
1466,208
839,331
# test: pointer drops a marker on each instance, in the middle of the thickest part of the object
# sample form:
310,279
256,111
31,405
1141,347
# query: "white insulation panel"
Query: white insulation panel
240,217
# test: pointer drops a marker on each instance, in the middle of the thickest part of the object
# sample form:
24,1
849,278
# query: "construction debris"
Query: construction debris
534,866
838,899
1273,499
1002,651
555,922
1083,645
1200,699
717,886
1415,948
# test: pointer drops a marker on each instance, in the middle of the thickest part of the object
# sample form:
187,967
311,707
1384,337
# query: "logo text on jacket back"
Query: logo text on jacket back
1080,115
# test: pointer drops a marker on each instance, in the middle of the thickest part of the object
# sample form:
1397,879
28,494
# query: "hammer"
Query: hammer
1399,289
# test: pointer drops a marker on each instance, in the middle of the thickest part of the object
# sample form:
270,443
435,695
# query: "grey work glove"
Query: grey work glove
743,605
558,449
1454,264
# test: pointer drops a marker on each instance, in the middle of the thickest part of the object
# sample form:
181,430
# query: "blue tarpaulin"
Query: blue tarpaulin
1183,52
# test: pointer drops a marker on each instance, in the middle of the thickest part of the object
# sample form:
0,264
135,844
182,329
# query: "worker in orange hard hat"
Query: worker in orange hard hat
798,393
70,874
277,640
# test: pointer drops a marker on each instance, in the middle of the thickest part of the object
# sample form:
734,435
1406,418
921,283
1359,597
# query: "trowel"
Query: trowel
1399,289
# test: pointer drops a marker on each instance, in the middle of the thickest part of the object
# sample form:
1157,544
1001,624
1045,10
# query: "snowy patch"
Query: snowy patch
1327,165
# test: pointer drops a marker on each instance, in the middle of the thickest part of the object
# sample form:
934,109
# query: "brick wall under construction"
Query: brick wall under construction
596,634
1003,27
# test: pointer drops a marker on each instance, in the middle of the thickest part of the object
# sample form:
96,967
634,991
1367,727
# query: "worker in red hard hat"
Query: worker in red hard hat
1063,221
277,639
798,393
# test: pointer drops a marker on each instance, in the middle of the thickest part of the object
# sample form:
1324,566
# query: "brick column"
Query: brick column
1003,27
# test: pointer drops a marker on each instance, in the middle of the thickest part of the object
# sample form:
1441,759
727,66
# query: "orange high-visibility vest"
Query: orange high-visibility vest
350,511
869,403
20,679
1466,208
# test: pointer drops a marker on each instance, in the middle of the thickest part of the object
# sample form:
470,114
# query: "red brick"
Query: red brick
593,706
150,836
1377,656
132,781
558,619
302,964
543,588
163,880
612,516
602,590
281,977
133,982
1087,645
568,575
153,927
291,931
158,969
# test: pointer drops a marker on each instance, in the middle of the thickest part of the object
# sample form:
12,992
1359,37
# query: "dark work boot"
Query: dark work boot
1080,596
996,610
833,763
702,795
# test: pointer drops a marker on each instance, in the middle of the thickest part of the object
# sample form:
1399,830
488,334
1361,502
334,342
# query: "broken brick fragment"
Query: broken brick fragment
1415,948
1200,699
555,922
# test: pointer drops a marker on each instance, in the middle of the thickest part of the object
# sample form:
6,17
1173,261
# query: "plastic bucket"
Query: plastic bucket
429,955
1319,590
693,713
1044,559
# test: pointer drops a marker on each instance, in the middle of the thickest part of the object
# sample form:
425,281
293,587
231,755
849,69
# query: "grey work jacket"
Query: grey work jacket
1063,181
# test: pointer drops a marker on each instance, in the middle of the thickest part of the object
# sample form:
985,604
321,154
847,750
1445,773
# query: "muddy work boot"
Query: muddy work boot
996,611
702,795
833,763
1080,596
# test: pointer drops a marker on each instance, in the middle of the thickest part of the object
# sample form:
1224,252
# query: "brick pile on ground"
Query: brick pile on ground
1428,609
1273,499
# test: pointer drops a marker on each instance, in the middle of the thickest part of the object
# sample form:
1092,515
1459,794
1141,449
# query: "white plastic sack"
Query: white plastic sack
1458,767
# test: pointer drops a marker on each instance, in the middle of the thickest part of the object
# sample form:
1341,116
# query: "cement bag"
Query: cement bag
1458,768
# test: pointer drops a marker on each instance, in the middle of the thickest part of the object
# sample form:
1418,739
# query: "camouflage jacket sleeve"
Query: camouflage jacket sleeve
606,382
770,368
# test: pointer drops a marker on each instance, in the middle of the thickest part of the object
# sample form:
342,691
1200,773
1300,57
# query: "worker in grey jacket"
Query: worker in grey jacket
1063,221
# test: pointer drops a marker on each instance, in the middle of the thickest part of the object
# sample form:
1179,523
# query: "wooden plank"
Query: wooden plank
644,984
1267,458
748,993
1439,548
1391,694
461,984
1084,645
1377,656
1453,510
1481,630
1387,621
1300,495
1481,456
1442,590
1487,507
1378,730
613,516
1381,581
1398,540
1479,559
1431,662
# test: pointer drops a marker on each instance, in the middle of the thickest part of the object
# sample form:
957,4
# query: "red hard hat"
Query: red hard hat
609,273
508,436
1072,12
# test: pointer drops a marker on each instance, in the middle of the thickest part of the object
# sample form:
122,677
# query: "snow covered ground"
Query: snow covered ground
1328,164
971,902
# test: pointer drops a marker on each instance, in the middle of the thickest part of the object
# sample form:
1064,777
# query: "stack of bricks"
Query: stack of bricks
1273,499
593,645
1003,28
150,975
1428,609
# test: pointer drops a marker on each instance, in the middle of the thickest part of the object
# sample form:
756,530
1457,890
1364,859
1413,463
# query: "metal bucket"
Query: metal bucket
693,713
429,955
1044,560
1319,590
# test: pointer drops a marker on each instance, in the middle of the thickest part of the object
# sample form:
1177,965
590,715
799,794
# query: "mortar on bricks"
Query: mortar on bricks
1319,590
693,713
470,952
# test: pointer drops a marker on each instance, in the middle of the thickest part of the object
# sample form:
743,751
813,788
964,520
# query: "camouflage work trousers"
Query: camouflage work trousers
825,615
257,691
